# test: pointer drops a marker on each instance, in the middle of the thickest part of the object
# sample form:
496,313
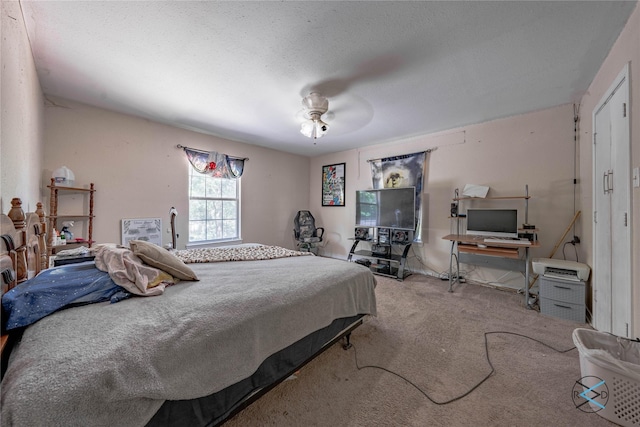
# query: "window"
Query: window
366,208
214,208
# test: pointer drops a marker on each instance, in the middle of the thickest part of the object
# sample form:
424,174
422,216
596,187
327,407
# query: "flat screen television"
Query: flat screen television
492,222
386,207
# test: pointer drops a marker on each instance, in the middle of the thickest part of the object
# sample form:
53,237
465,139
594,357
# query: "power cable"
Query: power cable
576,120
574,247
486,348
427,269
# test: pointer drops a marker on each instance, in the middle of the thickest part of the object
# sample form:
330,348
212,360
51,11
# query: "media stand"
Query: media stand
382,260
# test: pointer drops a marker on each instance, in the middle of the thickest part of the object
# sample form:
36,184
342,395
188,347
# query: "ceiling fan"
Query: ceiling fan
315,105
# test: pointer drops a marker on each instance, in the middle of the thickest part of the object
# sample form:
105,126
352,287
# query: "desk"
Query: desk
507,251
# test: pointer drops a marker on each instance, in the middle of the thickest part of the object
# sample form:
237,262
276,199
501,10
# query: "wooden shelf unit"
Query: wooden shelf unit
55,219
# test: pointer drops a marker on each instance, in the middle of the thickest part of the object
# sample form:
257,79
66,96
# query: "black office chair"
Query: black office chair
306,233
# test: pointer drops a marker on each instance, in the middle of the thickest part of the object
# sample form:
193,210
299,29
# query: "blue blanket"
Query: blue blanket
55,289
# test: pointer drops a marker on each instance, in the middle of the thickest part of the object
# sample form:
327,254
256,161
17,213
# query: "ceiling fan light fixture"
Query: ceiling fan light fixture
315,106
314,128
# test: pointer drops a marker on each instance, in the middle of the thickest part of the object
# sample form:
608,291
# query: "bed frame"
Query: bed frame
344,336
23,252
174,412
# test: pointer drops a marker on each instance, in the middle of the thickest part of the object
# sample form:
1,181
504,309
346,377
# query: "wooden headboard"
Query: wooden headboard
24,241
23,252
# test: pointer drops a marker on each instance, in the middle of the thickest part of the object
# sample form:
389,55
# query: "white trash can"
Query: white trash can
615,361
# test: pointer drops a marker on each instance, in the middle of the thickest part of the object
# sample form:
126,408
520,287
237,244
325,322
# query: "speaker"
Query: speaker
401,236
454,209
362,233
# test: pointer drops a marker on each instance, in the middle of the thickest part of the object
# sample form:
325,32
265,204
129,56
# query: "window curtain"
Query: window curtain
402,171
215,164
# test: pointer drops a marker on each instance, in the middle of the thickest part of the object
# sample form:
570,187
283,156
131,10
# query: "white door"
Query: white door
611,279
601,279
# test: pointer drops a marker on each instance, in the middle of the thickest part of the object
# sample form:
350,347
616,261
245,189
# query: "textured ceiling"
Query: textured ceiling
391,70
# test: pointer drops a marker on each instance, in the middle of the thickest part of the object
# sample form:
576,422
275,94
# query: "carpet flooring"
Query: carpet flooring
436,340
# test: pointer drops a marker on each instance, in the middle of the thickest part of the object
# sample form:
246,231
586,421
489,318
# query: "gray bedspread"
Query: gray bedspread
115,364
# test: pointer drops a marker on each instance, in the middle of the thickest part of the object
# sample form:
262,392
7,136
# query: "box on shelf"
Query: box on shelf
64,177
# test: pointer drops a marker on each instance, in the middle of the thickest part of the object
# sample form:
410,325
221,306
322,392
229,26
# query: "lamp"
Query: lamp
314,127
315,106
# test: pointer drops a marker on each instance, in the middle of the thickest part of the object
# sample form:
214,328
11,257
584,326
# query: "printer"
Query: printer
561,269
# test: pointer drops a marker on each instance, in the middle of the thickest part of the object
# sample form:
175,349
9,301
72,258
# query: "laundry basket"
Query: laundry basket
616,361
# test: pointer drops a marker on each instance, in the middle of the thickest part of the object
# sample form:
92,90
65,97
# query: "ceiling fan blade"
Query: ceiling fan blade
376,67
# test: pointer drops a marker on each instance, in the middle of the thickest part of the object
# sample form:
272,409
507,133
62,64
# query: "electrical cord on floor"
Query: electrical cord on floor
486,347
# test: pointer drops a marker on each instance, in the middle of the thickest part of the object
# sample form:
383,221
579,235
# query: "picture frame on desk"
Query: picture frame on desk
147,229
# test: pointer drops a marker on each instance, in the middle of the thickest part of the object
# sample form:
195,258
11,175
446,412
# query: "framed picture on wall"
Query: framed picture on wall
333,184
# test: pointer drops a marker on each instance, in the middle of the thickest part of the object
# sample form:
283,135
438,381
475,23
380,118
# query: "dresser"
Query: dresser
563,298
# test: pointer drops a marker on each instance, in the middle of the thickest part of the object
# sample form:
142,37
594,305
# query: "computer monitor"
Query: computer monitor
492,222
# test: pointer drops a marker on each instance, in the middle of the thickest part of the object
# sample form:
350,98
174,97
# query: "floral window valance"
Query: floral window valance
215,164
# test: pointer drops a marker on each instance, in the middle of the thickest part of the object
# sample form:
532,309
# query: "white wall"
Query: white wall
534,149
21,120
625,50
138,172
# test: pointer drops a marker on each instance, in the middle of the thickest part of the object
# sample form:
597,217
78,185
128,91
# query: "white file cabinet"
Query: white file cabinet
563,298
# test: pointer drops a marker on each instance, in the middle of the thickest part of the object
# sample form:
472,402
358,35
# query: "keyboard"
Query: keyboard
507,240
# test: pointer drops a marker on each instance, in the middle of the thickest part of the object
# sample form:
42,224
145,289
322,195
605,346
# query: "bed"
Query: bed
195,354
